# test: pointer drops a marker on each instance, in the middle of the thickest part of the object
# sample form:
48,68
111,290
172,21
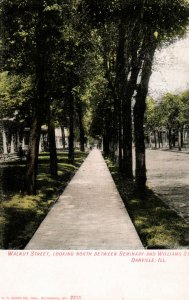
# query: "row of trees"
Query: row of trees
45,58
139,28
80,63
170,115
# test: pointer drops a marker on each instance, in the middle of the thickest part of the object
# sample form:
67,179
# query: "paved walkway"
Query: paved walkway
89,215
168,176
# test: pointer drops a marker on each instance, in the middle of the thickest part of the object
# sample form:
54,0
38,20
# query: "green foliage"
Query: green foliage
167,18
152,115
81,38
20,20
16,93
55,51
172,112
185,106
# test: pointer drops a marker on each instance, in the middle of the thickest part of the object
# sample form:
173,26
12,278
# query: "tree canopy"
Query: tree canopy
86,65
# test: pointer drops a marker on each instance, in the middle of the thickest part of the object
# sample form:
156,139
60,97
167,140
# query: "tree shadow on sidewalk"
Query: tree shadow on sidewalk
158,226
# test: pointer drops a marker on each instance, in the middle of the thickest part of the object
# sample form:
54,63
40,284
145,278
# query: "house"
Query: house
14,135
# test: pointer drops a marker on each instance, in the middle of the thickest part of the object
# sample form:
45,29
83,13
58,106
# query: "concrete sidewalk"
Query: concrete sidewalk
89,214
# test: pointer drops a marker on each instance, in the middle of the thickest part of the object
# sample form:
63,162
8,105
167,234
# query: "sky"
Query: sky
170,69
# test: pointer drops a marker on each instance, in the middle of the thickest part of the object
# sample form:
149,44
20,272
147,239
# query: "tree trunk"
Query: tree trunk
115,115
63,138
127,160
179,140
155,139
106,148
170,139
139,110
39,105
173,139
32,163
81,129
120,140
182,137
71,128
126,93
125,123
129,63
149,138
159,139
52,146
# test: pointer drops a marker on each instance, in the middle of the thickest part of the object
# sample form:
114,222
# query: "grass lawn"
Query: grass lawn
20,215
157,225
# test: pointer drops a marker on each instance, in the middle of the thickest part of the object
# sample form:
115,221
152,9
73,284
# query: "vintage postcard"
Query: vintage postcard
94,150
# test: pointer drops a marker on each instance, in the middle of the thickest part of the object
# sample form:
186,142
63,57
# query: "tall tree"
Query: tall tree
158,28
29,28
